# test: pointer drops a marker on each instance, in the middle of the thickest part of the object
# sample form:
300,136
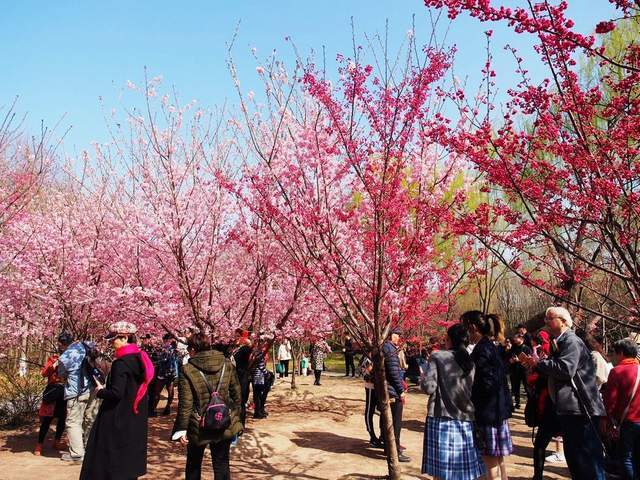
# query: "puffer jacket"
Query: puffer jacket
193,396
392,369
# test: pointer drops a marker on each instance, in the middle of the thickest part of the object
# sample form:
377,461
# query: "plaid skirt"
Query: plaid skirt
494,441
449,451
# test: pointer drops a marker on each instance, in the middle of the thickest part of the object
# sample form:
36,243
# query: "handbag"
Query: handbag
613,432
53,392
279,368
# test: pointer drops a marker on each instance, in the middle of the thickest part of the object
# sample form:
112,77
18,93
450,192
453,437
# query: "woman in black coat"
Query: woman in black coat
490,393
117,444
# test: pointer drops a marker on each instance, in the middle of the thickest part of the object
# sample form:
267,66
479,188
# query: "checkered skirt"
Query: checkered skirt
494,441
449,451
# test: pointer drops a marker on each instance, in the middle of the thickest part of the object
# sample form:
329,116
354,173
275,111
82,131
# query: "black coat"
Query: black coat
117,445
490,393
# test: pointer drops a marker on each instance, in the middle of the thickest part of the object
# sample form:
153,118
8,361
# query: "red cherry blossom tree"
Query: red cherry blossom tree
560,165
355,191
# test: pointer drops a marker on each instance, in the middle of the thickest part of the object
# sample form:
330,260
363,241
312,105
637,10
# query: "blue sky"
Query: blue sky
60,57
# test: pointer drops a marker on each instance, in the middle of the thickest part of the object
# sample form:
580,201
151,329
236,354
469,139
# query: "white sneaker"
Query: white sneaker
67,457
556,457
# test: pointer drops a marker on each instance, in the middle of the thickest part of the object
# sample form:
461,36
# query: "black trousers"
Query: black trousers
396,416
245,381
371,402
151,396
219,459
582,447
543,436
260,393
60,412
518,378
318,374
349,365
285,367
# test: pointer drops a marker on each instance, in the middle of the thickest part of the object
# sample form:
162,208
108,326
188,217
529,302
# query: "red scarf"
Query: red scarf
131,349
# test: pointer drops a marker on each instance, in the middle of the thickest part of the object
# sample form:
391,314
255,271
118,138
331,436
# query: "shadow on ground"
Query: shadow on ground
333,443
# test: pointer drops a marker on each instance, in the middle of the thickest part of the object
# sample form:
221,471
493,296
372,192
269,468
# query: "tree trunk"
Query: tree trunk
380,383
23,366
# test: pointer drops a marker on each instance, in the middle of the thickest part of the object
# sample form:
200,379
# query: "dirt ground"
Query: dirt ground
313,433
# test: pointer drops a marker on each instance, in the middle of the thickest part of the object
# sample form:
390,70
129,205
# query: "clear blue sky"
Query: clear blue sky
61,56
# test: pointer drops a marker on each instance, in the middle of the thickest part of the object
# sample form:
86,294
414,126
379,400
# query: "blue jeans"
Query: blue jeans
629,449
582,447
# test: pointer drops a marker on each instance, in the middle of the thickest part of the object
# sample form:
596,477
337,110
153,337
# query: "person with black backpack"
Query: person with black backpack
209,399
78,368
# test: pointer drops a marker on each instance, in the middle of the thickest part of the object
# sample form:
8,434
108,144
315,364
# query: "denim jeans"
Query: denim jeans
629,449
582,447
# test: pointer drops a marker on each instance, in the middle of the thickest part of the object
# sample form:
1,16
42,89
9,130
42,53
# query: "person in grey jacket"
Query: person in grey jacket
449,449
573,390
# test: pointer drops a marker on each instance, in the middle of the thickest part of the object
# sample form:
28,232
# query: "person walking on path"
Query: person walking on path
206,369
261,380
371,401
53,403
395,386
284,357
349,354
79,393
166,370
572,385
518,373
449,451
622,402
117,445
318,355
242,357
542,411
490,395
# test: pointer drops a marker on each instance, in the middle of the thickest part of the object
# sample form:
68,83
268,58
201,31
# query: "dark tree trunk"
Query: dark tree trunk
380,383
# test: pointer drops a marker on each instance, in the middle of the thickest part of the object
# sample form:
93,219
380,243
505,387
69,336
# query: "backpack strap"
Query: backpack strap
633,394
206,382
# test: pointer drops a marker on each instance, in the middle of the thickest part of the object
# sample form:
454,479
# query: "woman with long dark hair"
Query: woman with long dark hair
490,394
117,445
449,451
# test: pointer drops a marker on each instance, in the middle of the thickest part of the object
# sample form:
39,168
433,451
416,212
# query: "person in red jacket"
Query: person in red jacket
56,407
622,402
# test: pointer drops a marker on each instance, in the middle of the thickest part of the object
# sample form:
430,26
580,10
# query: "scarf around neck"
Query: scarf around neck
132,349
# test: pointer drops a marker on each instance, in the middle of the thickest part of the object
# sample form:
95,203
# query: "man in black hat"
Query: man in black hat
395,385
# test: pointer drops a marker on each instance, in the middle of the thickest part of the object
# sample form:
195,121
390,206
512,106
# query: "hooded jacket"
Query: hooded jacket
193,396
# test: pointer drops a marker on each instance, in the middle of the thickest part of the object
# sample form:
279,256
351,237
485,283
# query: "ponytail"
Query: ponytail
459,338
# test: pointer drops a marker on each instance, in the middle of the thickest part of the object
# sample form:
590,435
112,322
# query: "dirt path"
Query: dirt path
313,433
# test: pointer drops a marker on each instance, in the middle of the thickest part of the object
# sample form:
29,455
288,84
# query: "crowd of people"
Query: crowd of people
103,399
571,390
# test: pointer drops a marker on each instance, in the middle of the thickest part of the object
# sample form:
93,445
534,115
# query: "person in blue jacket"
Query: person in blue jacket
395,385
